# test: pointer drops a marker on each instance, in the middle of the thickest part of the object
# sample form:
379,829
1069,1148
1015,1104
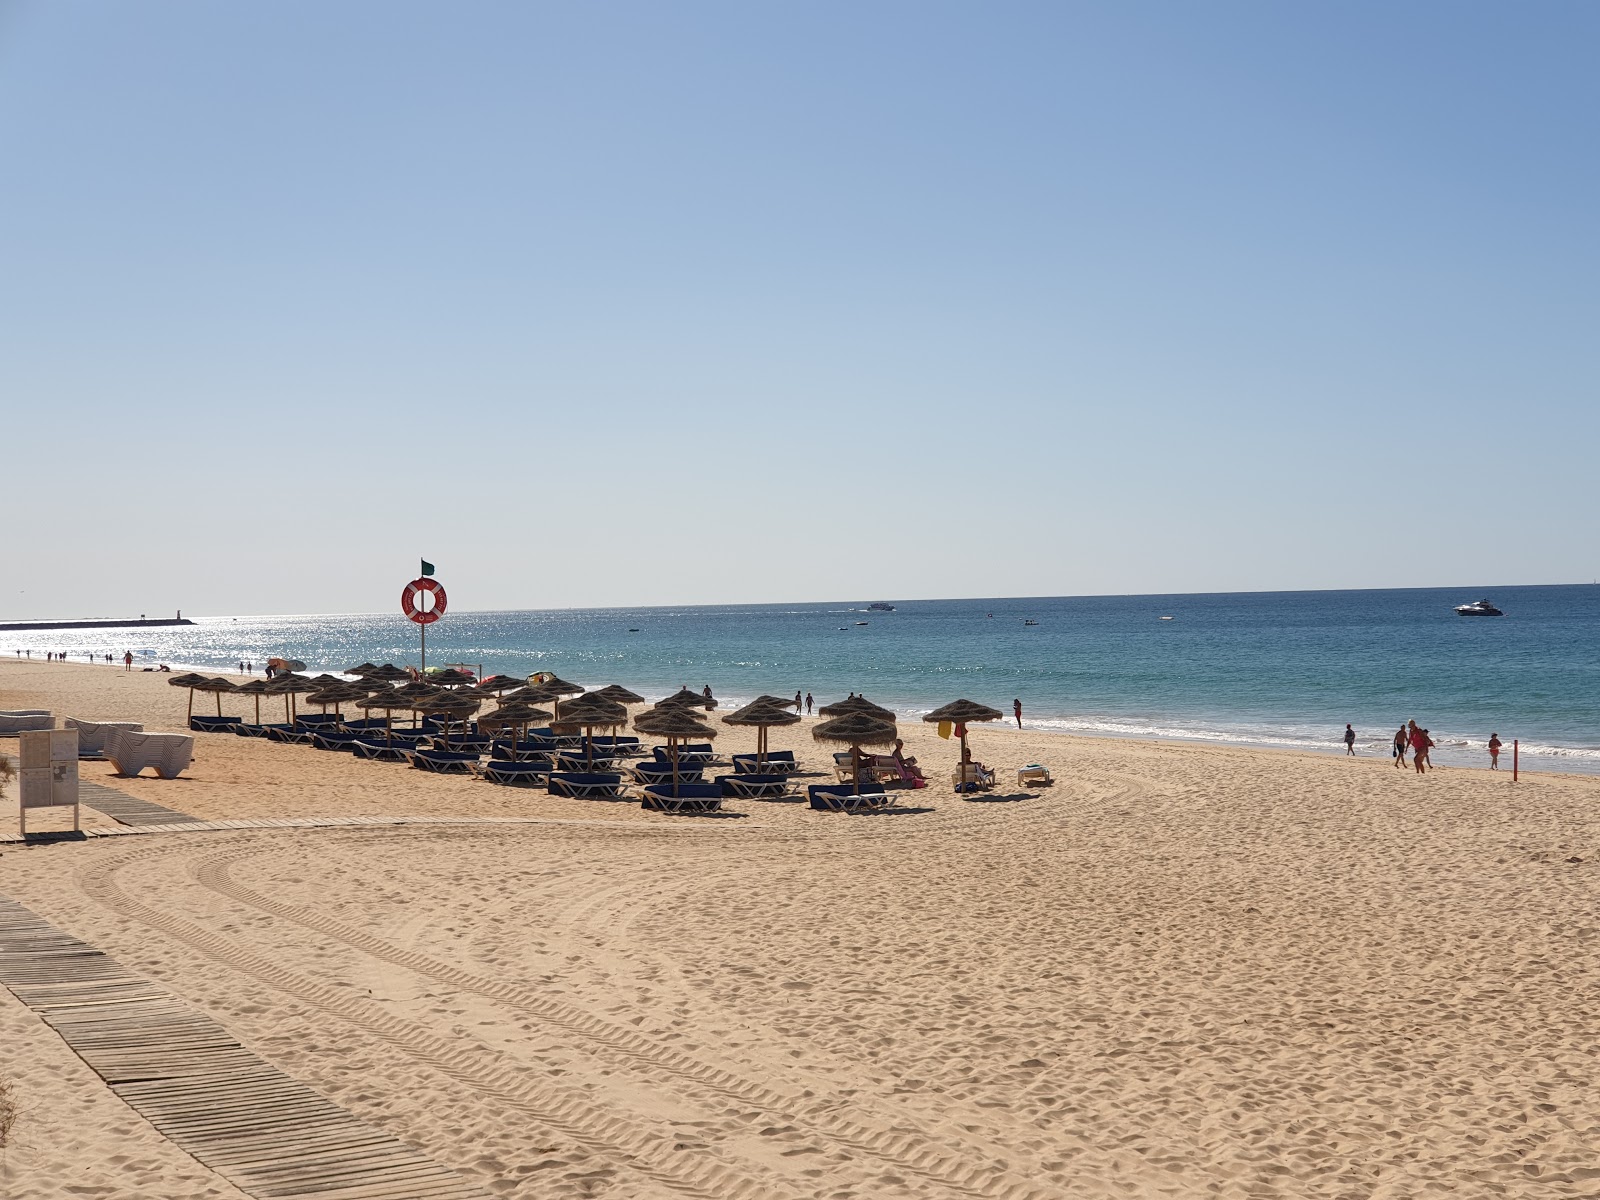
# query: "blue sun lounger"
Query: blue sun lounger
621,747
515,773
477,745
319,721
577,760
685,798
333,739
377,750
214,724
755,787
245,729
443,762
838,797
699,753
778,762
654,771
586,785
532,749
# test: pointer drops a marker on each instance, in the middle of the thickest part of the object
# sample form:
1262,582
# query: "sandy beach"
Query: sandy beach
1180,971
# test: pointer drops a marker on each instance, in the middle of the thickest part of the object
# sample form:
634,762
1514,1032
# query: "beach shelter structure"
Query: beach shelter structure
289,685
688,698
449,677
675,723
962,713
516,717
191,681
446,704
618,694
545,693
856,730
499,684
217,686
590,712
855,705
389,701
388,673
362,670
763,713
338,694
254,687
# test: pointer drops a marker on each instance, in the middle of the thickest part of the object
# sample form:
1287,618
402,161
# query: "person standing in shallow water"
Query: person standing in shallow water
1494,751
1400,747
1349,740
808,704
1016,711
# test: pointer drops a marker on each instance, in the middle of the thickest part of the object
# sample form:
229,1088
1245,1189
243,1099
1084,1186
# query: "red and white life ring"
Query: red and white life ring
408,601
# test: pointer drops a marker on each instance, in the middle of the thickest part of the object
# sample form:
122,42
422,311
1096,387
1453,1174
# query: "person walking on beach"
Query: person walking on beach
1349,740
797,704
1494,751
808,704
1016,711
1419,747
1400,742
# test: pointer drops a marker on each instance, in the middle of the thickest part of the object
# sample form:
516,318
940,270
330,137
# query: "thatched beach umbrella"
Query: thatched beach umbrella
688,698
448,705
515,717
362,670
763,713
338,694
254,687
589,712
857,706
388,673
858,730
449,677
389,700
216,685
288,685
191,681
498,684
673,723
962,713
617,694
546,693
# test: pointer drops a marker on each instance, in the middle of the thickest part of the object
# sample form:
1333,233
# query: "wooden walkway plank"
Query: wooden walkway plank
266,1132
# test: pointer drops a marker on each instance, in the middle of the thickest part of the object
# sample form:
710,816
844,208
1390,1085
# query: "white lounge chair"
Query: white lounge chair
92,734
18,719
131,751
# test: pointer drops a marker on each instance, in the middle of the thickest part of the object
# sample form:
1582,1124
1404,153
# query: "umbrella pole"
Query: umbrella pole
219,704
189,716
855,769
672,744
258,708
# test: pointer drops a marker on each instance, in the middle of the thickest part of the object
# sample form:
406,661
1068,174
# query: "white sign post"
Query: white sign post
49,774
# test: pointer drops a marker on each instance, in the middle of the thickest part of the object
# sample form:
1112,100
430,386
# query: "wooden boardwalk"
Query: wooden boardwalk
268,1134
130,810
194,825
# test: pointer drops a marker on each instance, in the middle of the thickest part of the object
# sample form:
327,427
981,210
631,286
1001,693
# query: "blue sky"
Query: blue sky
643,303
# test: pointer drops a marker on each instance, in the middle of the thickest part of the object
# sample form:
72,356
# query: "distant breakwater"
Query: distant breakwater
138,623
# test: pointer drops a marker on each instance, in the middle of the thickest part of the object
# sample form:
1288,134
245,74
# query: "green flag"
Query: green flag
427,568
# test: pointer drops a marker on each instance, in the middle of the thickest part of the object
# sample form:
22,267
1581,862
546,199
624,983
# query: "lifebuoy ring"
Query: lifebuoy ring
408,601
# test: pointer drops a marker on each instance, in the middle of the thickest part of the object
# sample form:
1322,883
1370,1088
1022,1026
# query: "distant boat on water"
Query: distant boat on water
880,606
1481,608
1030,622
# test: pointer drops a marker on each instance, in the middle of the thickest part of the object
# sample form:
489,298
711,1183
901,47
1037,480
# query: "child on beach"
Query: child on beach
1494,751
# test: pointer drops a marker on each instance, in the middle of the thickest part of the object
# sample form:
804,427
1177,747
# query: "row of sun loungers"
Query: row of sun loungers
20,720
92,734
564,766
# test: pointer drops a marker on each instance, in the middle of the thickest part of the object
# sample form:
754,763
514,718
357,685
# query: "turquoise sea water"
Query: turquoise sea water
1284,668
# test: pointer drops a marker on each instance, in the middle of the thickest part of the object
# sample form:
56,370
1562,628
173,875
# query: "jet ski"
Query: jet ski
1482,608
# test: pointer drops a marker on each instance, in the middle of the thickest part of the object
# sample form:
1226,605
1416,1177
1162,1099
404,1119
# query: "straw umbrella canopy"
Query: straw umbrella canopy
191,681
962,713
588,712
555,681
544,693
855,705
338,694
288,685
362,670
217,685
673,722
449,677
500,683
447,704
688,698
255,687
388,673
857,729
618,694
516,717
389,700
763,713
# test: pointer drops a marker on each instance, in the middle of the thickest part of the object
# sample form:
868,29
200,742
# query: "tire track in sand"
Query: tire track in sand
573,1115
